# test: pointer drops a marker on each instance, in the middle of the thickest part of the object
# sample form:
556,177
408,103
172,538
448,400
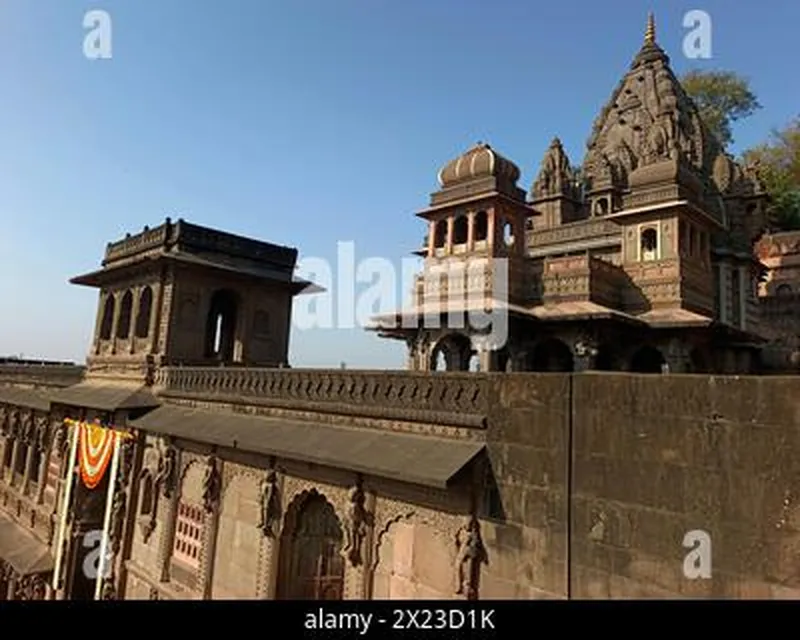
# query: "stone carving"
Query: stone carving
30,588
270,504
108,591
397,396
165,475
470,555
117,519
28,428
356,525
212,483
42,434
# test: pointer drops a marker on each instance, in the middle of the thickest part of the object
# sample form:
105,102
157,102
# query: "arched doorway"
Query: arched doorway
311,562
552,355
452,353
605,360
647,360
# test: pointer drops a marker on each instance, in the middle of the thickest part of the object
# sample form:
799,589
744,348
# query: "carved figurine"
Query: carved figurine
166,471
211,484
117,519
270,504
355,526
470,554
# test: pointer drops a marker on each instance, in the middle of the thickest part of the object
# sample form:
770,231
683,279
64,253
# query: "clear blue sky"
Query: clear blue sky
303,122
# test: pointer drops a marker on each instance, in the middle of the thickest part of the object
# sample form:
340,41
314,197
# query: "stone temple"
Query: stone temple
196,464
639,259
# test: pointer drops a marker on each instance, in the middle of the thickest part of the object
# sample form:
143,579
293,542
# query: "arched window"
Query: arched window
508,234
481,226
649,244
460,230
647,360
142,328
107,323
125,311
440,234
312,566
221,326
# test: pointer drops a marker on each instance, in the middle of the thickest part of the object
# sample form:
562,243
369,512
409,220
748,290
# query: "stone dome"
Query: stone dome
481,161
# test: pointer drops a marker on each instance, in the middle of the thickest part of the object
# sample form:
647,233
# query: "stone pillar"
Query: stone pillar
134,313
486,360
449,242
471,231
13,463
431,238
491,229
26,476
44,463
12,586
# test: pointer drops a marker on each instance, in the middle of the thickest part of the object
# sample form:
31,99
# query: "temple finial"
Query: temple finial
650,32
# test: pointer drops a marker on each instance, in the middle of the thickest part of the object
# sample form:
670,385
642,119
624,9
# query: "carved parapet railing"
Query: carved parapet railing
453,399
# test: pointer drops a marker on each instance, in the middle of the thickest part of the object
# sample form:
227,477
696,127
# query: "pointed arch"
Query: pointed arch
310,562
142,329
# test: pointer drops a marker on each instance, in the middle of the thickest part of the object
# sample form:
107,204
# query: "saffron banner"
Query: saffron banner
95,450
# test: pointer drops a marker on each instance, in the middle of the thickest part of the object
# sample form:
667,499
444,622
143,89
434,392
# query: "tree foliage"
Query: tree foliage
723,97
778,160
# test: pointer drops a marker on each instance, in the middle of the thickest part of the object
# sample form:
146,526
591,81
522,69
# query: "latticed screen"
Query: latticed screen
188,534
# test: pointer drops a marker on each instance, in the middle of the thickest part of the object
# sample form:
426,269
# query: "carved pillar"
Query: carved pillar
449,243
358,522
431,238
212,485
134,316
471,231
492,228
29,440
169,520
115,325
486,360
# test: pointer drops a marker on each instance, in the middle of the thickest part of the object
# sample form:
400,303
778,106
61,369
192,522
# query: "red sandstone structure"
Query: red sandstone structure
205,469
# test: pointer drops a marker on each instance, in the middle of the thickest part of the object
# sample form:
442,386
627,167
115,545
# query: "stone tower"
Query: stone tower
475,260
185,294
649,167
556,193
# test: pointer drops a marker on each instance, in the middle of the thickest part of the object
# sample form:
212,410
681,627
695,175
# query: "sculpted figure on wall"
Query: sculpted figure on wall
270,504
471,554
165,474
212,483
356,526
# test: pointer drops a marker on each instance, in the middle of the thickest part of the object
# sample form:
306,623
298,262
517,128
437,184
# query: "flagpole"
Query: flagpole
62,525
112,485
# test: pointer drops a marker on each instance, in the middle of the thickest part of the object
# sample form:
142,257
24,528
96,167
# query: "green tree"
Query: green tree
778,161
723,97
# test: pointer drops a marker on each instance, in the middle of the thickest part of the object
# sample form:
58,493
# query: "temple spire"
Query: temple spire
650,31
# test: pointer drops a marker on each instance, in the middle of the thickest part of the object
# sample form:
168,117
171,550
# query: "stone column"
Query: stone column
471,231
134,313
431,238
12,586
449,242
13,463
491,228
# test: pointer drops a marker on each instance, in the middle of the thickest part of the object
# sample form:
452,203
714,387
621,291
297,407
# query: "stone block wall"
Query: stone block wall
658,457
